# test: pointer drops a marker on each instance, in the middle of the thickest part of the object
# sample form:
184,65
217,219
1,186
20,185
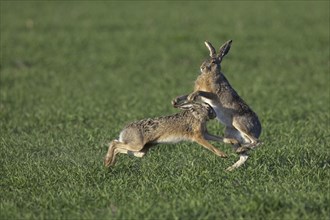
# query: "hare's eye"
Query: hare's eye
215,61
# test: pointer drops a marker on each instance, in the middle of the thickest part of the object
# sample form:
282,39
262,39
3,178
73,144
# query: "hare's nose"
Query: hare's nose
174,102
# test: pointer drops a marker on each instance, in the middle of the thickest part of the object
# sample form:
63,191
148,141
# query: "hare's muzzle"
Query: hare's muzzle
179,101
174,102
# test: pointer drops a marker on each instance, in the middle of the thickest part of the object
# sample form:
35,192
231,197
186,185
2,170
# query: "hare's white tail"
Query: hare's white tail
242,158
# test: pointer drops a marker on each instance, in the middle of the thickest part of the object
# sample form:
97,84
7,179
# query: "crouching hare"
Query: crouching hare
242,126
188,125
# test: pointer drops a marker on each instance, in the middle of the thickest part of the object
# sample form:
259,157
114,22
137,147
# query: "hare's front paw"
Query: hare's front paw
223,155
220,153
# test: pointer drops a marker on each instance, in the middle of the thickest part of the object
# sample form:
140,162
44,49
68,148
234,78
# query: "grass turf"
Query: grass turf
74,73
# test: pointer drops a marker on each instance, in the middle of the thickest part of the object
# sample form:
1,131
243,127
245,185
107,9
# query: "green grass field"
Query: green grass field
74,73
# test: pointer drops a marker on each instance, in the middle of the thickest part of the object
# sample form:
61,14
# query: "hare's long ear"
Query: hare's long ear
211,49
224,49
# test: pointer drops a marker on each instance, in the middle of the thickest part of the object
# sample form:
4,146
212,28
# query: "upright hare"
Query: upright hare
189,124
242,126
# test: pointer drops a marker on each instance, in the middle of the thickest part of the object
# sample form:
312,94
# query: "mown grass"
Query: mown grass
74,73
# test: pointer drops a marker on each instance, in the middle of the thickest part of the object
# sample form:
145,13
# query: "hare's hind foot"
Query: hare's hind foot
134,153
242,159
109,157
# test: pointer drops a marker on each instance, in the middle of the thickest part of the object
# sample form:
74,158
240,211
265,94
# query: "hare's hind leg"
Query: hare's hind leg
233,137
202,141
250,141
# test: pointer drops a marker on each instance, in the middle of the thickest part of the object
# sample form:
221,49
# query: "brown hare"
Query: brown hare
188,125
242,126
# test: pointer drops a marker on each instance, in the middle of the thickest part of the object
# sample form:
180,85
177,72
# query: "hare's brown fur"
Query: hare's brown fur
187,125
242,126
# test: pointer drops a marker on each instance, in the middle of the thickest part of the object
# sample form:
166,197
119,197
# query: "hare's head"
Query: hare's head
212,64
199,109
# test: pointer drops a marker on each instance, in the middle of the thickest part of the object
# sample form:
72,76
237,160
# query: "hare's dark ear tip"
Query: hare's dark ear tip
229,42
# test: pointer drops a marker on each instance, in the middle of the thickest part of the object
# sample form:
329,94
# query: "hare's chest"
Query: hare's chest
222,117
203,84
